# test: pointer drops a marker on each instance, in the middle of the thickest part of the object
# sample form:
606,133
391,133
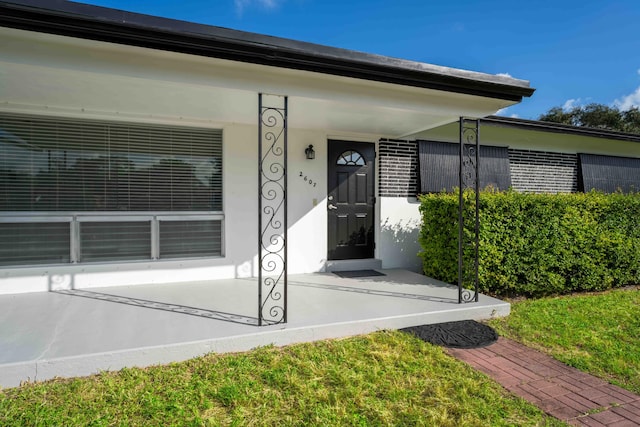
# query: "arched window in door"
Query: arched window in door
350,158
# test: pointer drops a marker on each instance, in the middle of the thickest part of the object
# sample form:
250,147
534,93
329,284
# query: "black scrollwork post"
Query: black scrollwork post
468,210
272,210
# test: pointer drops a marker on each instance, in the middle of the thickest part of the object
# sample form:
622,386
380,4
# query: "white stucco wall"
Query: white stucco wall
307,202
397,242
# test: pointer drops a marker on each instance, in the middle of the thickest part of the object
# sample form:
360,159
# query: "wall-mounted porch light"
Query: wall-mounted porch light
309,152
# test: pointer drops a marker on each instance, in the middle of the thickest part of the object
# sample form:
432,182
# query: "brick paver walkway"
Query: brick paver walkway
559,390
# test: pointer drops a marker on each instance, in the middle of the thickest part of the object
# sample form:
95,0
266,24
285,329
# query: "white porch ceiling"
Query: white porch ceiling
61,75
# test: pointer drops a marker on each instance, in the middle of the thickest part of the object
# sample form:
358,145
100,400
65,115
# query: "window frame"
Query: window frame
351,162
75,218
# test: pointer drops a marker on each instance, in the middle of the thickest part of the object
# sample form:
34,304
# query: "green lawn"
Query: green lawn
599,333
385,378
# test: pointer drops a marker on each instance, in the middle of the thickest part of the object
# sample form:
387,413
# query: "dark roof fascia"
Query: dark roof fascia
558,128
116,26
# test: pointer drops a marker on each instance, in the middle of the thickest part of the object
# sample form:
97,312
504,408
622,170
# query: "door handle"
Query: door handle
332,207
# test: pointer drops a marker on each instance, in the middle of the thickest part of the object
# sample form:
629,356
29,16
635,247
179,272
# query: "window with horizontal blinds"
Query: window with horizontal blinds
181,239
440,166
30,243
53,165
113,184
115,241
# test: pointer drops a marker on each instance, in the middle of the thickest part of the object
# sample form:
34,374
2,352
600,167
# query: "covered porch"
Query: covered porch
81,332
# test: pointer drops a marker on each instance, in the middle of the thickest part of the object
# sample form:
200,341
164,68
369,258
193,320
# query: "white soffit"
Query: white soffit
63,73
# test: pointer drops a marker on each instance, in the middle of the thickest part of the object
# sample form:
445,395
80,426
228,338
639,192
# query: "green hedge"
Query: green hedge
538,244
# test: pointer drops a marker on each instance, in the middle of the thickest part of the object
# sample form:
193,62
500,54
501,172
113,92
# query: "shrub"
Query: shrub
538,244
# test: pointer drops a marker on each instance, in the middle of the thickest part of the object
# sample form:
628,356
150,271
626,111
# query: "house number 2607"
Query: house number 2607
310,181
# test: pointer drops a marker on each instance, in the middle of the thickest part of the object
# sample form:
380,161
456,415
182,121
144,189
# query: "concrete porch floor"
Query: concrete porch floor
81,332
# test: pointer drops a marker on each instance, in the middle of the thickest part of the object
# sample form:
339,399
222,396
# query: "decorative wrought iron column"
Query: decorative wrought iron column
272,209
468,210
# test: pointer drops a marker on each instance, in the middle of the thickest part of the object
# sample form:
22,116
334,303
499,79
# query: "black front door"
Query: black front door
351,200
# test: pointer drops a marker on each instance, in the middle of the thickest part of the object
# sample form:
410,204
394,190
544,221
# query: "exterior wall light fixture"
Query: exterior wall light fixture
309,152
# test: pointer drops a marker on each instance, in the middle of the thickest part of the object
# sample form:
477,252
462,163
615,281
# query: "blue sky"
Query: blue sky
572,52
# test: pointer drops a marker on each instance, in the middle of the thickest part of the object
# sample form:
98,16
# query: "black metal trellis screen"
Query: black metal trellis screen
468,210
272,209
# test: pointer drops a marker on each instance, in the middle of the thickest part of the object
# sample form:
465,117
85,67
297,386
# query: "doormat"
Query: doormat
462,334
353,274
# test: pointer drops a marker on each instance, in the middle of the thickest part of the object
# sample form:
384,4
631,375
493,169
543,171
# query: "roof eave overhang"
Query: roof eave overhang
558,128
109,25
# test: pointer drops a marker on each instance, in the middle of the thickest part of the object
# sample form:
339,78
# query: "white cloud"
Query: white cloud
504,75
570,103
241,5
628,101
503,112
